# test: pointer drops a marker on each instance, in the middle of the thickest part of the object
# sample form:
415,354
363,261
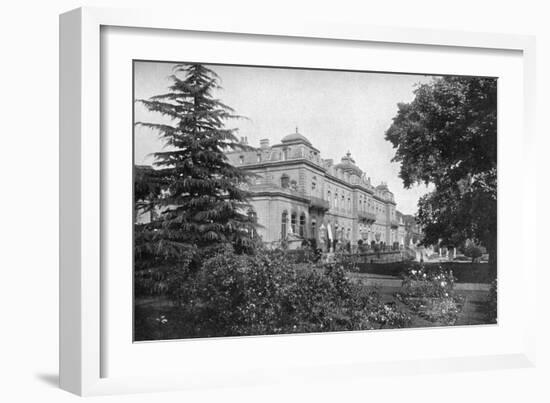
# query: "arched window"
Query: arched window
293,222
285,181
349,204
343,206
313,229
336,200
284,220
302,225
329,198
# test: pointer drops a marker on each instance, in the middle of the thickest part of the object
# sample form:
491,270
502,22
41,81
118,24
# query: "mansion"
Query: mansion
298,195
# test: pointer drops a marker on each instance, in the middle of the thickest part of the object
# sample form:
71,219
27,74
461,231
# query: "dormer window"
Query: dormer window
241,159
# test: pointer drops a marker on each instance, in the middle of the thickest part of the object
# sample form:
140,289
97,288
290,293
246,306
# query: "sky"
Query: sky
337,111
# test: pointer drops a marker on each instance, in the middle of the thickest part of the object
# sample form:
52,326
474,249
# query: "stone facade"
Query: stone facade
299,195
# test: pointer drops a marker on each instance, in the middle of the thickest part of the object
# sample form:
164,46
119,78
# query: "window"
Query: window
329,197
293,223
285,181
254,219
252,215
303,225
313,229
259,158
241,159
343,206
284,220
336,200
349,204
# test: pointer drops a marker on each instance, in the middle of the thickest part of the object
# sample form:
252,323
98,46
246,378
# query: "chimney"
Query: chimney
264,143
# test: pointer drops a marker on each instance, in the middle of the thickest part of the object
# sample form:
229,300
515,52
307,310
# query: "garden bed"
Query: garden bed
463,272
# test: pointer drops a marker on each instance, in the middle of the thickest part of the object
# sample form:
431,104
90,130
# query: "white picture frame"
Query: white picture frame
82,298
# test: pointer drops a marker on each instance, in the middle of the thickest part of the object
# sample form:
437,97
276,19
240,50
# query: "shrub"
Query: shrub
236,295
473,251
306,254
428,283
430,294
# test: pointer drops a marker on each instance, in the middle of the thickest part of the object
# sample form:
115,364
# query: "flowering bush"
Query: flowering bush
236,295
430,294
432,284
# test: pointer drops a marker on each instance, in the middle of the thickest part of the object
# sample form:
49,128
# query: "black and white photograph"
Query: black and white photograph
275,202
271,200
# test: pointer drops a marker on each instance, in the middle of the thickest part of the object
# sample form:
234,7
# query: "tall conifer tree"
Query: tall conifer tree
198,193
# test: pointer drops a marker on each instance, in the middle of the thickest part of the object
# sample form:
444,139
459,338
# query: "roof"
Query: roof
347,164
295,138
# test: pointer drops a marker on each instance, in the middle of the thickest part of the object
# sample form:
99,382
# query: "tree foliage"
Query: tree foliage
447,136
197,194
